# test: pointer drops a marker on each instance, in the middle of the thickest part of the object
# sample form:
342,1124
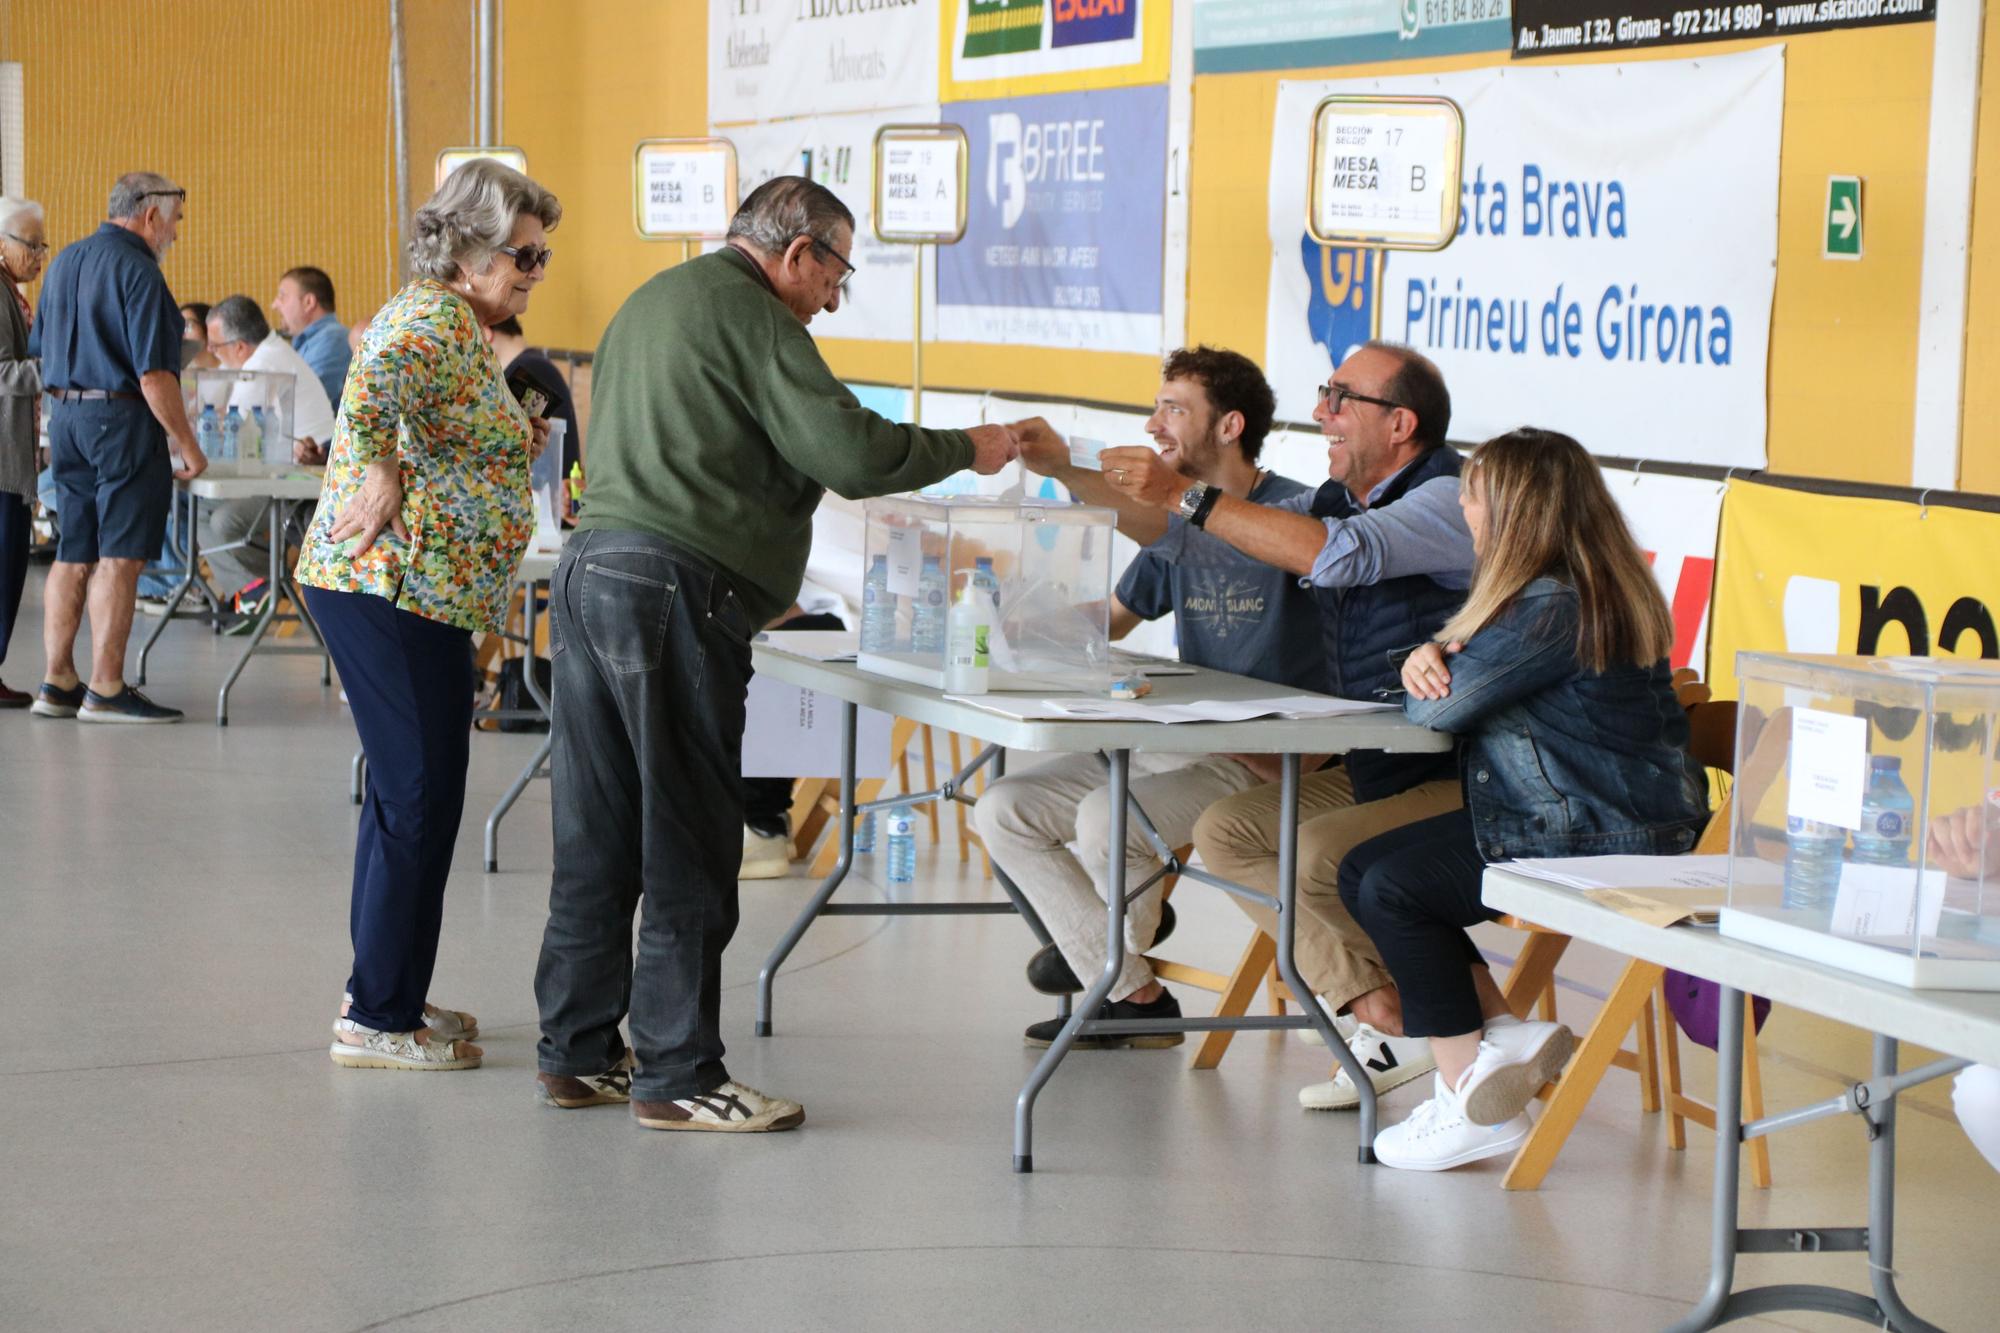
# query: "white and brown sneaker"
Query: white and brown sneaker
611,1087
730,1109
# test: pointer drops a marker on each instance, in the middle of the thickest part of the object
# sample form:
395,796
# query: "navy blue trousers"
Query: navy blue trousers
1414,890
15,540
409,684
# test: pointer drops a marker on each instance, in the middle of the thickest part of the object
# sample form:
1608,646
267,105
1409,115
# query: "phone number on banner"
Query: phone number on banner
1556,27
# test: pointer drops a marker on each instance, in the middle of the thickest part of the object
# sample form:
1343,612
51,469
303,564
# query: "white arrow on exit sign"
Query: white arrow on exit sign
1844,217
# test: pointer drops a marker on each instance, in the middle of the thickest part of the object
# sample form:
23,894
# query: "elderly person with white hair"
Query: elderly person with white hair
425,513
22,250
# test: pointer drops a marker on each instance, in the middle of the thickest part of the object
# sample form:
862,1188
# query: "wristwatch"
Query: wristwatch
1196,502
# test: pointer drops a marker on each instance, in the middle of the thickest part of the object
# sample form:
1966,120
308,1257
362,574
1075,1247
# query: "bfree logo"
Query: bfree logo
1039,152
1002,27
1083,22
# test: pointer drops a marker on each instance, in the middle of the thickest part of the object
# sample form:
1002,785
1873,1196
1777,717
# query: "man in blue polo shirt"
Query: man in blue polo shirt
304,305
1233,613
109,335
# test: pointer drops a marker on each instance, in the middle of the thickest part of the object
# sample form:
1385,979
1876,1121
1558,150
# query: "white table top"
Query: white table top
1386,730
1960,1023
257,481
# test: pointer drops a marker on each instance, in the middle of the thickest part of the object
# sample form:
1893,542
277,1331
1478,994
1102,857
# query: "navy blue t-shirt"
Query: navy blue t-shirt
106,316
1233,613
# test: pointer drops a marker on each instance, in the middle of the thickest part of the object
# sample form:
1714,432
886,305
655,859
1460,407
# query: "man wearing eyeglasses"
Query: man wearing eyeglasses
716,427
109,335
1384,546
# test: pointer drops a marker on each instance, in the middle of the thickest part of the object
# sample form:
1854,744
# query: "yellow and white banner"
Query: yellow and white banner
1012,48
1805,573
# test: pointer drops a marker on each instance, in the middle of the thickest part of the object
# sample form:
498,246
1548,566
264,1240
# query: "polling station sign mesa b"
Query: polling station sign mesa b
683,189
1384,172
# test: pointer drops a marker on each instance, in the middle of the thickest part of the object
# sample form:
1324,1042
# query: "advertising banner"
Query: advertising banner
1805,573
1065,238
996,48
1597,275
1564,27
1234,35
839,153
769,59
1674,520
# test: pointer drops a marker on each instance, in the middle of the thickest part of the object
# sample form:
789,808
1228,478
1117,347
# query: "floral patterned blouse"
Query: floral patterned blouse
428,388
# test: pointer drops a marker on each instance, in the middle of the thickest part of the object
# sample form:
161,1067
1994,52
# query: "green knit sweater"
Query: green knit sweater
715,424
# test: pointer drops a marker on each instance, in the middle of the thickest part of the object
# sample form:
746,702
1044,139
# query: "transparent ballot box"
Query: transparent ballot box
1866,825
242,416
1043,567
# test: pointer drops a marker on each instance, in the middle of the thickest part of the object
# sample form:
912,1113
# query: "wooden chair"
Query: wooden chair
1638,1001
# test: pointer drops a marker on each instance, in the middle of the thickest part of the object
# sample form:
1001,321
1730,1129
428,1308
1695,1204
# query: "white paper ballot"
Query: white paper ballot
906,558
791,732
1829,767
1083,452
818,645
1090,708
1887,901
1628,872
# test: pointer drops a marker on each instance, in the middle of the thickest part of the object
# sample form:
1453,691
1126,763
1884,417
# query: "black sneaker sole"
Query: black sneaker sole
1095,1041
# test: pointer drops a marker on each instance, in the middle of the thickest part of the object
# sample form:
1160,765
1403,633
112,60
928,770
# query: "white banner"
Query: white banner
769,59
1675,520
1613,269
839,153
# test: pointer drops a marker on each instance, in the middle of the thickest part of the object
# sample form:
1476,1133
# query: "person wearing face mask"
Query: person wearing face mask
421,523
22,250
109,335
1385,549
716,427
1234,613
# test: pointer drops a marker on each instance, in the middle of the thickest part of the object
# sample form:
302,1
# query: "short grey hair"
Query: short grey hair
472,215
11,208
785,208
240,319
130,192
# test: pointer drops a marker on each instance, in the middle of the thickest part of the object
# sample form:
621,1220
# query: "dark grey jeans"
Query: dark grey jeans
651,665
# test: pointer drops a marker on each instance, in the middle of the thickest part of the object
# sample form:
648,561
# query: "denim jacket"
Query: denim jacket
1559,760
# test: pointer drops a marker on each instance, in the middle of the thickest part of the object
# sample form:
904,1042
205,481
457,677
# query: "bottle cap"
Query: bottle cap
1884,763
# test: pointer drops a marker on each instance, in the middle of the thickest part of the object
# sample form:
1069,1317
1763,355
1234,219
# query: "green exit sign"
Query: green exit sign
1843,218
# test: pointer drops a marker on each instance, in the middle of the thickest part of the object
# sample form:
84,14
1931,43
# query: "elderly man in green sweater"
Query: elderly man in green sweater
715,429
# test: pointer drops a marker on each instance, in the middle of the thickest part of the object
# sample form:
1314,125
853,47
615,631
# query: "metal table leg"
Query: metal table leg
845,832
272,524
357,775
1120,762
534,767
189,578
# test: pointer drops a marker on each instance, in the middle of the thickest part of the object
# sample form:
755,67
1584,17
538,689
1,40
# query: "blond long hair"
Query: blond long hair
1548,513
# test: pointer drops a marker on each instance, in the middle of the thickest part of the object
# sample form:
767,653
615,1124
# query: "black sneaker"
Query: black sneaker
1050,973
55,701
128,706
1044,1032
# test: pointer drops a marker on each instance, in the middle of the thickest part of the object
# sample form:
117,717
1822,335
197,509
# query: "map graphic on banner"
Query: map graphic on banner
769,59
1563,27
839,153
1116,42
1596,276
1235,35
1066,231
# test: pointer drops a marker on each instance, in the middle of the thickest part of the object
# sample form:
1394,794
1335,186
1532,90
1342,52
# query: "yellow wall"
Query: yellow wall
1979,448
1843,335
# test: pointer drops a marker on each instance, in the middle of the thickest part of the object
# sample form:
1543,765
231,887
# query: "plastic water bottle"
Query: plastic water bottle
984,579
902,845
250,442
1886,814
1812,863
232,429
927,619
208,433
864,832
878,610
967,667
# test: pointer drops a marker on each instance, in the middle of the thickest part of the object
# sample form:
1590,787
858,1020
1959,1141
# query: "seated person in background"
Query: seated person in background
767,802
1556,676
242,340
1233,613
304,306
194,338
1966,845
518,359
1385,548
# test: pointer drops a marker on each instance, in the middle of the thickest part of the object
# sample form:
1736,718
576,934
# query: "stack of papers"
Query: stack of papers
817,645
1627,872
1089,708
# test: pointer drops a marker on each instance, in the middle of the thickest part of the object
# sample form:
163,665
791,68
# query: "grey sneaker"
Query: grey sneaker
128,707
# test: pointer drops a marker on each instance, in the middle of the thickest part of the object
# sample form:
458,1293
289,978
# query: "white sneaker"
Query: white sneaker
1515,1060
1390,1061
765,857
1438,1137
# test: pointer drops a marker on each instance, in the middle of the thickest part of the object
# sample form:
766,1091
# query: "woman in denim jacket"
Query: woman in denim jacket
1555,674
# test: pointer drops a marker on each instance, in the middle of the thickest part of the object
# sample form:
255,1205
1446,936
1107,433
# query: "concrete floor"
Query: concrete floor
178,1152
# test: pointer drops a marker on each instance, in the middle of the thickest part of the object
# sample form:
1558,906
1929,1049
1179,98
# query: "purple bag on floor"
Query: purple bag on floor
1697,1006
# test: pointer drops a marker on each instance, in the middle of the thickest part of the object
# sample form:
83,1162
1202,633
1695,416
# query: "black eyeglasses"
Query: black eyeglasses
32,247
1342,396
528,258
164,194
846,277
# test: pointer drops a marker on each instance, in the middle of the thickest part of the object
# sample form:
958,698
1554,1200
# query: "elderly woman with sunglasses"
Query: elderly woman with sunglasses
425,513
